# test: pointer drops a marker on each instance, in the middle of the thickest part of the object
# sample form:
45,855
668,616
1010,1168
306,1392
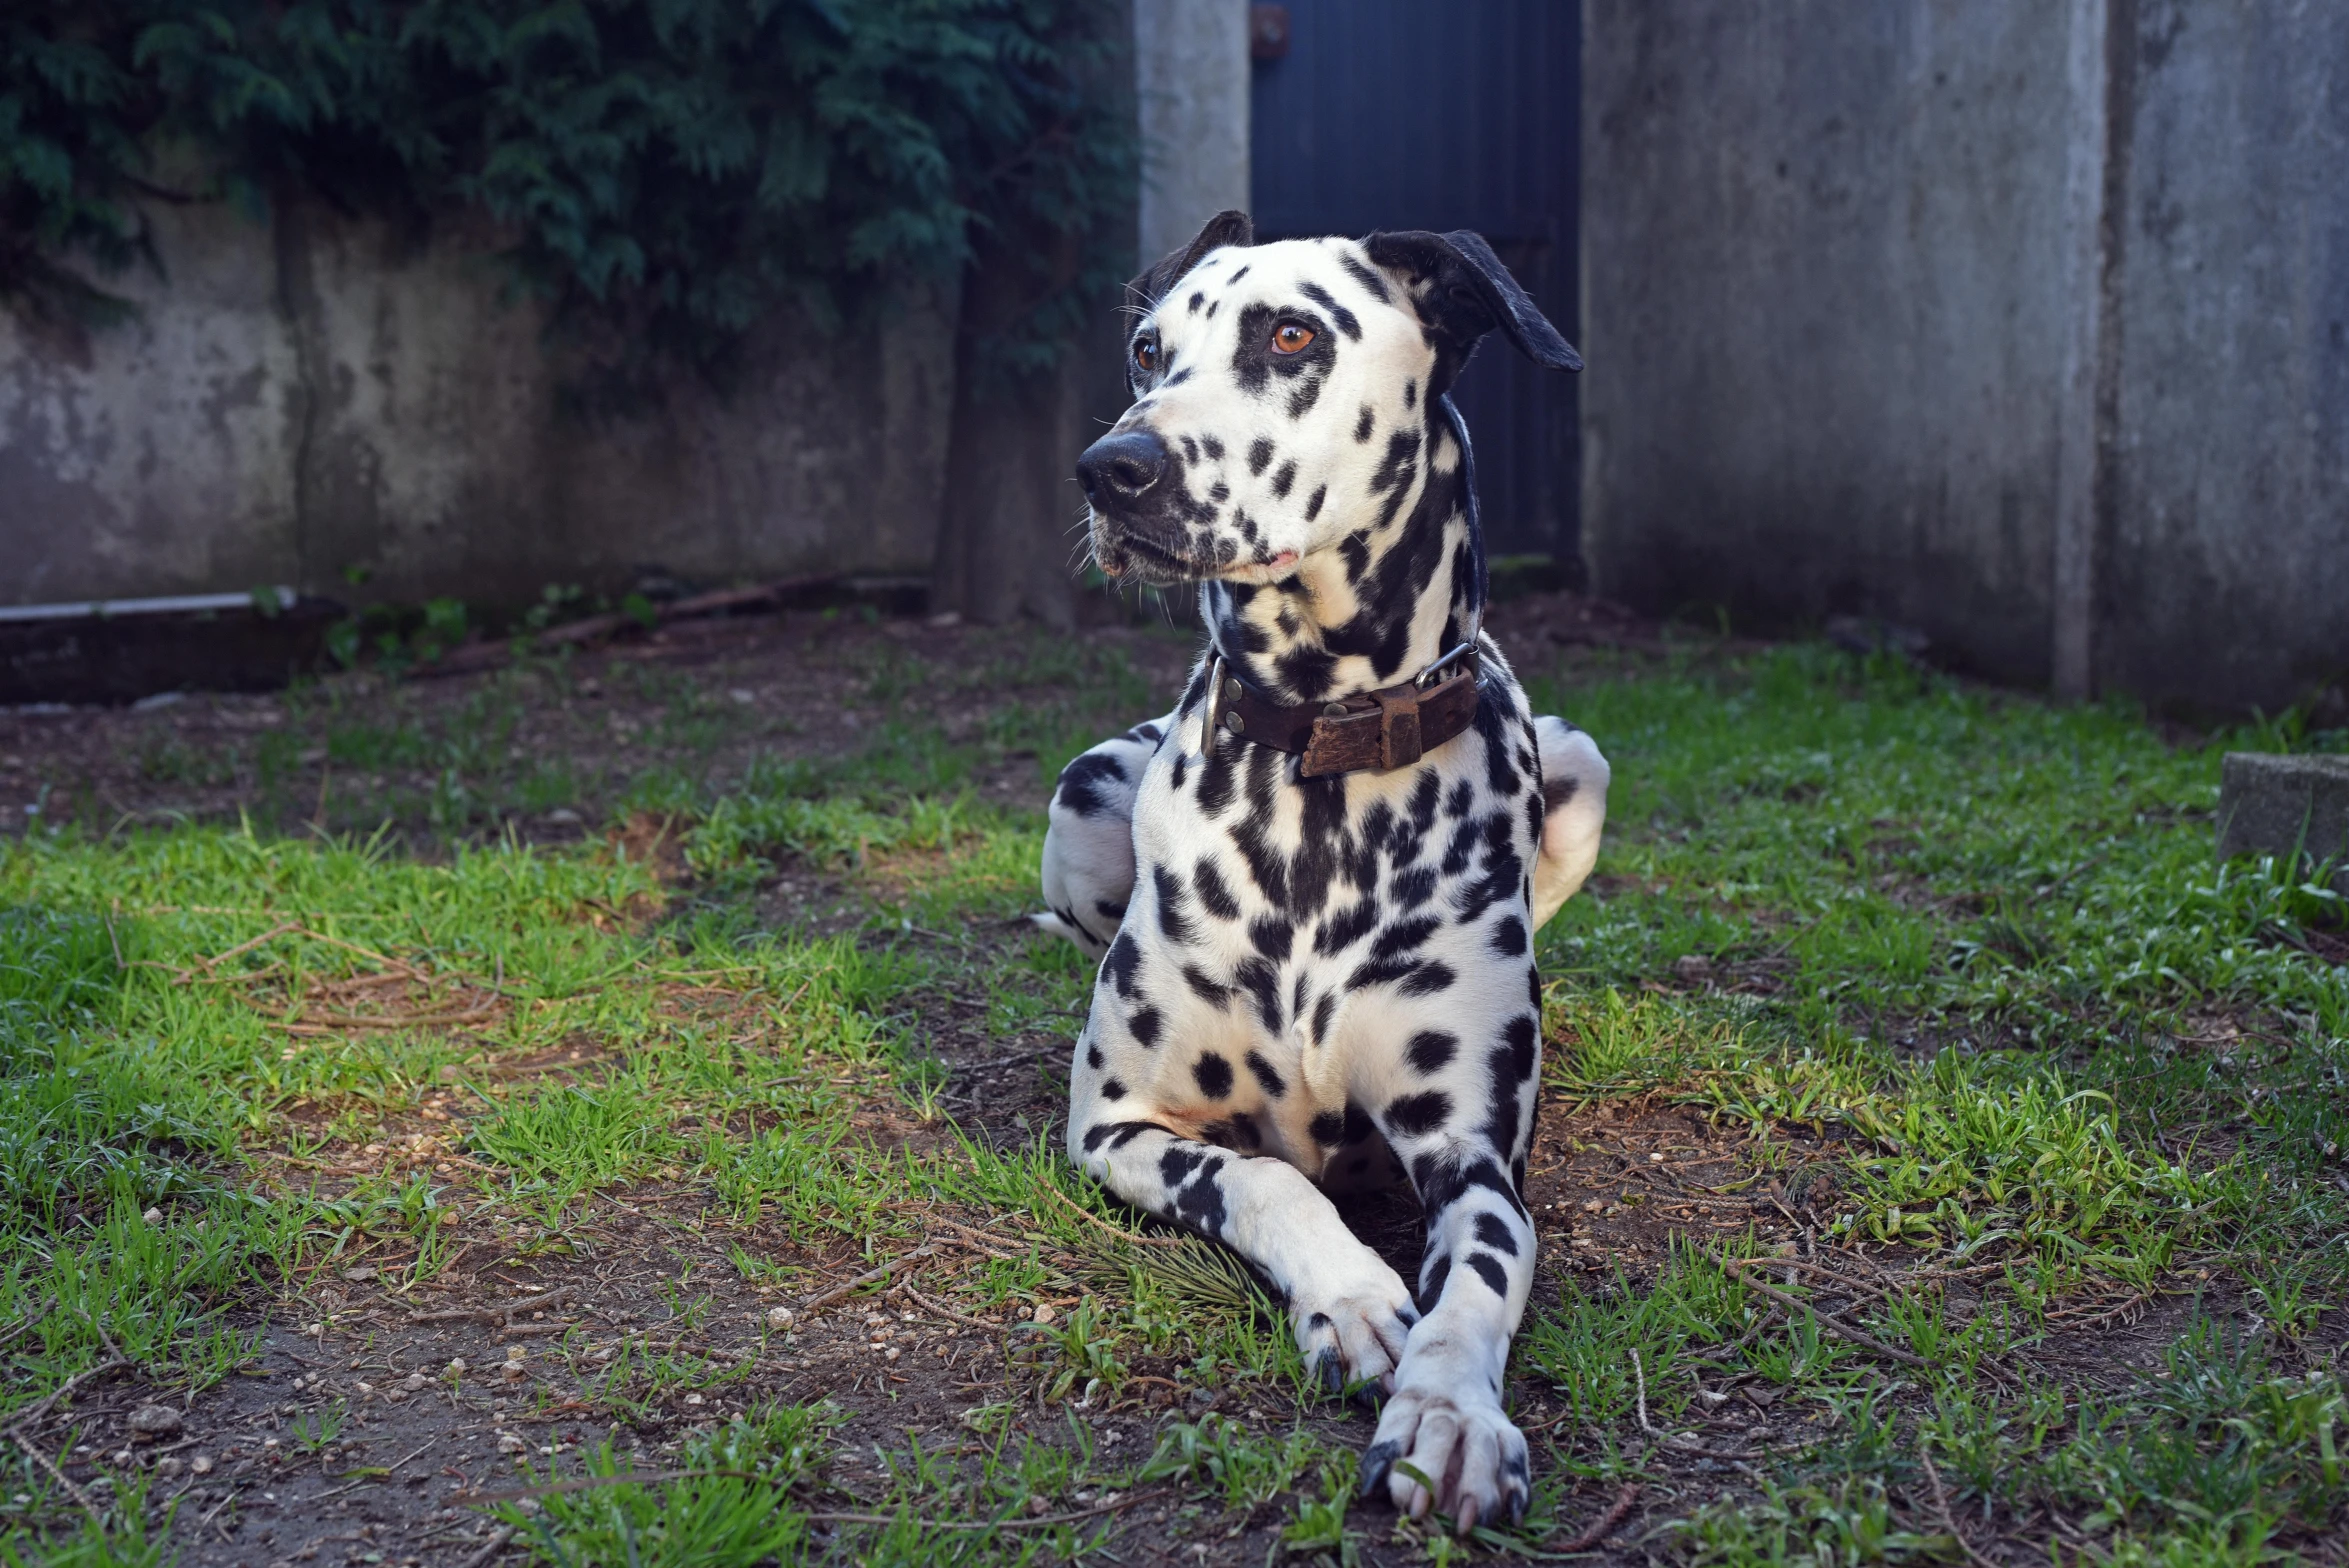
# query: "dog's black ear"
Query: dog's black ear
1225,228
1463,292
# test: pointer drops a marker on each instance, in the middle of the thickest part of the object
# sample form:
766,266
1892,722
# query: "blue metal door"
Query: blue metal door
1445,114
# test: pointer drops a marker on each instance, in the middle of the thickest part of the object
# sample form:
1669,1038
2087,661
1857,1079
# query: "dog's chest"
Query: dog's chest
1248,873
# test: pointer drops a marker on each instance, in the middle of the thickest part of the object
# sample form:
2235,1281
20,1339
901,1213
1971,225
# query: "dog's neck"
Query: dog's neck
1400,589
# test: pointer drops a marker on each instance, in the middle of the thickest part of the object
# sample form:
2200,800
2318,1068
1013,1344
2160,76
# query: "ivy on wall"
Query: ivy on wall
662,173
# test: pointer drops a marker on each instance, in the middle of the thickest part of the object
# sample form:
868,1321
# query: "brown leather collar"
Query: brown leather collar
1392,727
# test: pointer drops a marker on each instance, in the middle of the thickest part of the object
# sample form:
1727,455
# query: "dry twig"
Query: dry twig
1606,1523
869,1276
1941,1507
1678,1442
939,1309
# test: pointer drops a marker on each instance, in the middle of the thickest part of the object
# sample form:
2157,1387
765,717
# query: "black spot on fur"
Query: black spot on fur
1259,455
1214,1075
1511,1065
1272,937
1111,1089
1093,1057
1262,982
1118,1134
1348,926
1201,1203
1427,979
1370,280
1431,1050
1284,480
1145,1024
1347,321
1082,782
1313,502
1509,937
1213,895
1488,1268
1321,1015
1124,958
1328,1129
1494,1232
1173,921
1212,447
1431,1286
1414,1115
1204,988
1365,424
1266,1075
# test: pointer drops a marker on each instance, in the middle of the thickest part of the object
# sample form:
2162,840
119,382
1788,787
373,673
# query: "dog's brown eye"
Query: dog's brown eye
1145,354
1291,338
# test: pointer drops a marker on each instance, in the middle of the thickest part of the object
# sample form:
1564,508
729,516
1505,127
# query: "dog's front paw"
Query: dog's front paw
1457,1452
1351,1327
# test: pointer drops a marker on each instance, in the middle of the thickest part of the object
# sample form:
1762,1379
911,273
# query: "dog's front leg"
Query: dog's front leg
1350,1312
1444,1439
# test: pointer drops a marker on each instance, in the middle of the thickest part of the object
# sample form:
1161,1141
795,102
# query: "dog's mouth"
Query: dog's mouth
1135,557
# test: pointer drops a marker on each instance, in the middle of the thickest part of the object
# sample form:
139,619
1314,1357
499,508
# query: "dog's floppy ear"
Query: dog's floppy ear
1225,228
1462,291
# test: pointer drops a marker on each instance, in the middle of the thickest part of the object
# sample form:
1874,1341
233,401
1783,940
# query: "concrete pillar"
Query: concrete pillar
1191,85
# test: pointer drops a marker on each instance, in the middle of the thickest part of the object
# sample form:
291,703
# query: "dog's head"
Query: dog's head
1282,390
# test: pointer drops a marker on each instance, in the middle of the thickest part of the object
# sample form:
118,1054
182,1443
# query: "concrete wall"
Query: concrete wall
2013,321
312,395
1191,97
2222,555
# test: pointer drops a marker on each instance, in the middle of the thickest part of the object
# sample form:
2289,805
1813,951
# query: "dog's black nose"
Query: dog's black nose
1121,468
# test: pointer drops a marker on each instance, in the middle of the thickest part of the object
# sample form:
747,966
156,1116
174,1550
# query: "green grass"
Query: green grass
1995,995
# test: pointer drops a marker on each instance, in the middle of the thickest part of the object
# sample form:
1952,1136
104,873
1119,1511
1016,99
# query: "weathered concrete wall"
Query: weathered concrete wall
2222,553
314,395
1191,96
1862,338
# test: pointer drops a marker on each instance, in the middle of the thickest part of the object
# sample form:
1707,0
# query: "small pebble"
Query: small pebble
781,1317
201,1464
153,1216
1045,1314
155,1421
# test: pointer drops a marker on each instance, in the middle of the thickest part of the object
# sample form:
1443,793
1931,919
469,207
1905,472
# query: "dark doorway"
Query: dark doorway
1402,114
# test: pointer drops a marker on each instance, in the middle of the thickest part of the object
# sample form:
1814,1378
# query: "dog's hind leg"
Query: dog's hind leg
1089,846
1574,812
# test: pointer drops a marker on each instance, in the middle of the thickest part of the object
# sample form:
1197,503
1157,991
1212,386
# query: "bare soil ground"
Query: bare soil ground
380,1414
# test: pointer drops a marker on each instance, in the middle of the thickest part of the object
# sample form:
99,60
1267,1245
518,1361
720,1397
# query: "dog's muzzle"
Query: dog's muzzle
1120,469
1134,485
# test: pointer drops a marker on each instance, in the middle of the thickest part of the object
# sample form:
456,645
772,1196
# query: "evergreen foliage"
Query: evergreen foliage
663,173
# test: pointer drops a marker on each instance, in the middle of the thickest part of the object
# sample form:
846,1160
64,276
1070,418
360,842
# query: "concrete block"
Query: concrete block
2272,805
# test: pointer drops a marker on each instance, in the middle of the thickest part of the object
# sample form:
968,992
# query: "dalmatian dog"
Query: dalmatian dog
1313,887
